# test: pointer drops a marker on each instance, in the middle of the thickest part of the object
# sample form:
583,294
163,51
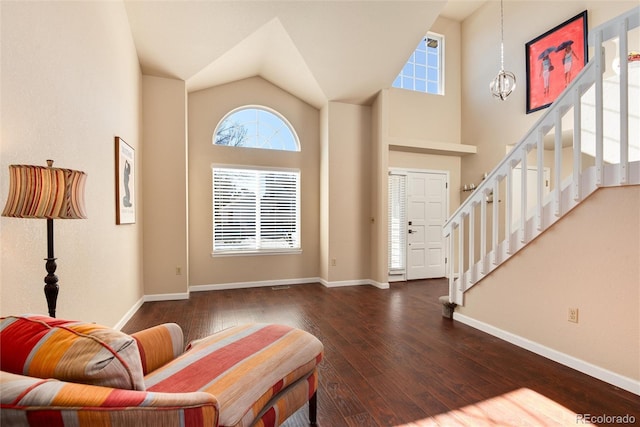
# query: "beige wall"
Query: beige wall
432,118
417,119
324,193
349,165
380,193
205,109
491,124
602,280
71,83
165,184
588,260
80,86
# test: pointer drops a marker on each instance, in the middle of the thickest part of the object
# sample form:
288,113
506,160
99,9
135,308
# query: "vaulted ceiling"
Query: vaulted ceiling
317,50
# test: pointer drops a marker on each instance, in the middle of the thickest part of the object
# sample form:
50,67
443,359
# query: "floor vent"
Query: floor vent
279,288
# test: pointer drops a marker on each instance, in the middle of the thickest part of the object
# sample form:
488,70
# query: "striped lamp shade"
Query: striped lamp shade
45,192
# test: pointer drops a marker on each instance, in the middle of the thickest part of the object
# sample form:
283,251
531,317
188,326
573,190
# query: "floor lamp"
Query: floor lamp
46,193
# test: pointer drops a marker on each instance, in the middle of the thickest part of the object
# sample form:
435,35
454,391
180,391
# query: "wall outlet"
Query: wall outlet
573,315
333,262
178,271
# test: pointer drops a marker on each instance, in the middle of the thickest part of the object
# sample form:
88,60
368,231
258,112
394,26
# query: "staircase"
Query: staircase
601,111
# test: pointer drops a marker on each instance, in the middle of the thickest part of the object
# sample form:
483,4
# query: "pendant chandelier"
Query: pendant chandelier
505,81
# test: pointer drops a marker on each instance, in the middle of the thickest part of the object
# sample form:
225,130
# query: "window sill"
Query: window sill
256,252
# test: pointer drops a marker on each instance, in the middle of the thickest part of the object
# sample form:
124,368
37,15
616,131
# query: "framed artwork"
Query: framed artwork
125,182
553,61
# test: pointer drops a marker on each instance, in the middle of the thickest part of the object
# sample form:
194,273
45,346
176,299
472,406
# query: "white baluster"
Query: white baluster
557,202
541,183
462,286
494,228
599,66
450,263
577,145
624,104
472,244
483,232
508,208
523,197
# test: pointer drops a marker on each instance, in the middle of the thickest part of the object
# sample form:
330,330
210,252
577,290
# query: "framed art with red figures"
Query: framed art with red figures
554,59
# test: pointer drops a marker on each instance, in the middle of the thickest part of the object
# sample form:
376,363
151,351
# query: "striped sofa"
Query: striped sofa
66,373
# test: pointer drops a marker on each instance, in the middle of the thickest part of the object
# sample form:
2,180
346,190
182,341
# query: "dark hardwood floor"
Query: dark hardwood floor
391,359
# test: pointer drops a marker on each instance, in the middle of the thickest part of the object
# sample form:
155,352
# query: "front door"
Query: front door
426,214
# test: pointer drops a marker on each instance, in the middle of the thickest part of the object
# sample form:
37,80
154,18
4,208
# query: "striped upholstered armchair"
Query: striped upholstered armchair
65,373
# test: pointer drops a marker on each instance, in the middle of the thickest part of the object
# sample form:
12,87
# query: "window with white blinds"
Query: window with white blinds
397,223
255,210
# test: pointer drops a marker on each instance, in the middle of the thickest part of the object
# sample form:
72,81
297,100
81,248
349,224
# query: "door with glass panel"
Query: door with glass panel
417,210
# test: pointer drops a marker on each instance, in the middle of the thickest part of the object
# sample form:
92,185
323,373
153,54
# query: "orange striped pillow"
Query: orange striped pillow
86,353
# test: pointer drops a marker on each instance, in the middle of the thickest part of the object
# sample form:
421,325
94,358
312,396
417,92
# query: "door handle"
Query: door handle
410,231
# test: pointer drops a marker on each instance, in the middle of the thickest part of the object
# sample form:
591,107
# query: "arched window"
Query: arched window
256,127
255,209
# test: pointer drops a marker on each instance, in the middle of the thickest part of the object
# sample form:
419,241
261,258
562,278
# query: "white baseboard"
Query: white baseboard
166,297
625,383
379,285
129,314
242,285
342,283
287,282
145,298
257,284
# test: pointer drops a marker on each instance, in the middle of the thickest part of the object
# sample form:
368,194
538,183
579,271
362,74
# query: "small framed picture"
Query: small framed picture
554,59
125,182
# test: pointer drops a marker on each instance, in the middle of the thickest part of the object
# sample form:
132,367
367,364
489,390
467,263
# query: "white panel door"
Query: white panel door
426,214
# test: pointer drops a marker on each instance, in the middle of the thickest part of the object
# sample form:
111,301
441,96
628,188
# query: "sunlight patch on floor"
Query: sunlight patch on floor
522,407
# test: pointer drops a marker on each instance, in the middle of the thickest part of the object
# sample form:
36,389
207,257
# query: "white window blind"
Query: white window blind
255,210
397,223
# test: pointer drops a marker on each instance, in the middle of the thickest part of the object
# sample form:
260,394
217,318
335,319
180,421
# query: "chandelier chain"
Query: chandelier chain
505,82
501,36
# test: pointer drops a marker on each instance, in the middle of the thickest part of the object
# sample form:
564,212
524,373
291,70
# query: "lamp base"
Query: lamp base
51,287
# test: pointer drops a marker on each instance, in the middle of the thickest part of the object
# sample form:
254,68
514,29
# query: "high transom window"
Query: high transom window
424,70
256,127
